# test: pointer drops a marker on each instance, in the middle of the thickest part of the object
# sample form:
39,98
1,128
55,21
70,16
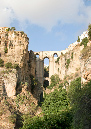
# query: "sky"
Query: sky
51,25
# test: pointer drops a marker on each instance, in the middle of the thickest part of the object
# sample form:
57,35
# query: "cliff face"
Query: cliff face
69,63
15,82
14,50
85,60
75,63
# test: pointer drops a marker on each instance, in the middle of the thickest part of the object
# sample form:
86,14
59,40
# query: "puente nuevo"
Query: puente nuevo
40,64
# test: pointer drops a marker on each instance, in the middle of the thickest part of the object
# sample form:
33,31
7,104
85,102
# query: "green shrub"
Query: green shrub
8,65
16,66
34,82
72,55
78,39
22,32
67,63
12,28
20,99
12,118
54,121
1,63
56,115
86,52
74,87
84,42
54,81
57,61
6,50
80,100
5,72
55,102
8,29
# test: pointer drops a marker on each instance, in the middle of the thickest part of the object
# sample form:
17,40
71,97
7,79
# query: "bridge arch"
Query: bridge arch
37,55
40,64
55,55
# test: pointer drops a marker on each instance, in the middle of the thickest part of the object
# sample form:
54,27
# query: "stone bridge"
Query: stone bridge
53,69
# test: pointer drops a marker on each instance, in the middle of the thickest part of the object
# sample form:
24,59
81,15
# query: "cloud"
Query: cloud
45,13
6,14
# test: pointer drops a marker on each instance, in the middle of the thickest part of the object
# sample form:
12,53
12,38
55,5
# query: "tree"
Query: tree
78,39
13,28
54,81
8,65
54,121
80,100
84,42
56,115
55,102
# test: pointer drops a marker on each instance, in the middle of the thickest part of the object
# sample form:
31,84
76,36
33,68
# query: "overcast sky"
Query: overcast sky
51,25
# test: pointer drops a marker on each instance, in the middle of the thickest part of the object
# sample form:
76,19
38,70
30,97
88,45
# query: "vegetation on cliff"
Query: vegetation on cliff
84,42
80,101
78,39
63,109
55,112
86,52
54,81
1,63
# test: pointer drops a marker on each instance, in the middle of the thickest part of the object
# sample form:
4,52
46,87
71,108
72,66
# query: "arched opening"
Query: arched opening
37,55
46,72
46,67
55,55
46,83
